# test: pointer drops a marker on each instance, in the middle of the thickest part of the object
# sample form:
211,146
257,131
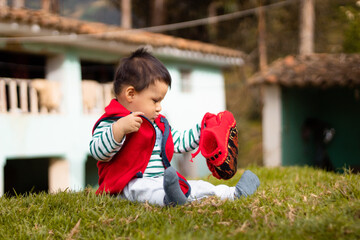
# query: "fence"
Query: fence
35,96
17,95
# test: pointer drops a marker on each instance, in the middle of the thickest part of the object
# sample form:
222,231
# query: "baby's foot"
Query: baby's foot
173,193
247,184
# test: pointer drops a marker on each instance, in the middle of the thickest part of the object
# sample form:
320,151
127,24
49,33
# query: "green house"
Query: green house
311,111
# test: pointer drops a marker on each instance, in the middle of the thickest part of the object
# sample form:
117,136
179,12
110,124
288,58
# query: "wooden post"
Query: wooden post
24,96
262,38
34,107
45,5
212,12
158,13
13,96
307,19
50,6
126,14
16,4
2,96
3,3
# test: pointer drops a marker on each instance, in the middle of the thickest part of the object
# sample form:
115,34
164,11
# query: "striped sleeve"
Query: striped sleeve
103,145
186,141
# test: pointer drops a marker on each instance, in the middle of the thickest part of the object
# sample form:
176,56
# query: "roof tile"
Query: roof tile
107,32
319,70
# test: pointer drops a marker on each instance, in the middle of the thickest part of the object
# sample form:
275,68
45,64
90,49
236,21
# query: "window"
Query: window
185,81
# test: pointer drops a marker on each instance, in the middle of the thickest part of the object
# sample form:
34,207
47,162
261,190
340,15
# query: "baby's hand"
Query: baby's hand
125,125
131,123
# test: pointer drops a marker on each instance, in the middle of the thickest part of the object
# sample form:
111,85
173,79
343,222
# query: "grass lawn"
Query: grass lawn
291,203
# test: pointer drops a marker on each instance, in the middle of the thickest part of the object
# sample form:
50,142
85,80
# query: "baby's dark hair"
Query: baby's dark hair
140,70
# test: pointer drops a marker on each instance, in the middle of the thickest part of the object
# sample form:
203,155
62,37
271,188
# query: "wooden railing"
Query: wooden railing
44,96
96,96
18,96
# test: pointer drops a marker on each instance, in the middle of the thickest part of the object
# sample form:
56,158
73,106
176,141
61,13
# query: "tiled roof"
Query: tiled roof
318,70
107,32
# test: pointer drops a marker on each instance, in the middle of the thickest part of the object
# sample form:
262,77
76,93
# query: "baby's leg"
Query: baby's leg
149,190
173,193
202,189
247,184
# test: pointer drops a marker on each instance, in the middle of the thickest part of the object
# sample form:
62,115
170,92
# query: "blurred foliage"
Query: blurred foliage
352,29
337,23
245,103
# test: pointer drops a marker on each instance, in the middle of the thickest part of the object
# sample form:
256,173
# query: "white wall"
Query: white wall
272,123
207,95
184,110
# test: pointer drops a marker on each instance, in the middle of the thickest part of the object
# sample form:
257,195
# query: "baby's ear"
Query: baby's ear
129,93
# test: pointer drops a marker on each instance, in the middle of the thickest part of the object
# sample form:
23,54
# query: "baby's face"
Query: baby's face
149,100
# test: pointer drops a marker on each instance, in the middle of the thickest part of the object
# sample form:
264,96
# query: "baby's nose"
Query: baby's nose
158,107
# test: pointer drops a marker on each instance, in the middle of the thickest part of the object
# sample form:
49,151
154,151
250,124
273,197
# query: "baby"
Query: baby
134,143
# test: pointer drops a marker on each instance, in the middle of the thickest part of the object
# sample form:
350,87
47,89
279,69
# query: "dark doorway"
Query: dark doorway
26,175
91,172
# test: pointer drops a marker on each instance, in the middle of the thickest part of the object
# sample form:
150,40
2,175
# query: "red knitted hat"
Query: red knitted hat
219,144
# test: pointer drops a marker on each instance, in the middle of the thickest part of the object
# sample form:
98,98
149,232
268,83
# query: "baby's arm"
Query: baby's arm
109,136
186,141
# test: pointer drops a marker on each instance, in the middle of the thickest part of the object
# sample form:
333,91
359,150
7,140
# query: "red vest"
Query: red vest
133,158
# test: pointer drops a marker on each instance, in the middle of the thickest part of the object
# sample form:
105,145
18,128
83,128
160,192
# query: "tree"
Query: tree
3,3
262,38
282,24
212,12
50,5
18,3
351,42
307,18
126,14
158,12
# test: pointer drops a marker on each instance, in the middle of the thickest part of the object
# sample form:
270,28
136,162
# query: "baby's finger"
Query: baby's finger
137,113
137,117
136,126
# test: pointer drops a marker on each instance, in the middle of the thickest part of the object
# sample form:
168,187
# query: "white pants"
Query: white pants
152,190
